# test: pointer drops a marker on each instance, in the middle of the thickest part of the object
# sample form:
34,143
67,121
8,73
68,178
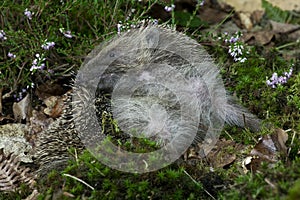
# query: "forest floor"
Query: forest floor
44,43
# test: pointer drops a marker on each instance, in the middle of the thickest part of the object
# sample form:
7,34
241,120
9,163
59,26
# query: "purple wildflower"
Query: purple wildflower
279,80
28,13
67,34
2,35
48,45
11,55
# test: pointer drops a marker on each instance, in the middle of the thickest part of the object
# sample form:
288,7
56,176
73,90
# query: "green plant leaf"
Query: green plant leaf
275,13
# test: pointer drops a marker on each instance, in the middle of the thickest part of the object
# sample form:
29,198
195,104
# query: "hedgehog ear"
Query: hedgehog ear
151,38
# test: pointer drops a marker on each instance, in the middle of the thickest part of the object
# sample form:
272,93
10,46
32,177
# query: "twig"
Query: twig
81,181
1,90
292,142
270,183
199,184
229,135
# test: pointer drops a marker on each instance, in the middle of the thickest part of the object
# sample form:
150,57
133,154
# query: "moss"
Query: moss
294,192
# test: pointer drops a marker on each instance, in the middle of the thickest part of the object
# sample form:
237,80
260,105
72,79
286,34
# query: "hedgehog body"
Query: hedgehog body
155,77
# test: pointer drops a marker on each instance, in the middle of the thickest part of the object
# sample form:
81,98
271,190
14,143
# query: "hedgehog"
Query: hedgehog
52,145
151,80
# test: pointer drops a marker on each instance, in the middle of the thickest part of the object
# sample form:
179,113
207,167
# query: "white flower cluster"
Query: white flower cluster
201,2
126,26
38,62
170,8
236,48
2,35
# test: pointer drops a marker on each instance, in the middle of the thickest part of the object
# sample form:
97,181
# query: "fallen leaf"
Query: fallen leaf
257,16
221,155
258,37
49,89
244,6
253,5
212,15
289,31
55,106
245,20
37,123
280,31
270,148
22,109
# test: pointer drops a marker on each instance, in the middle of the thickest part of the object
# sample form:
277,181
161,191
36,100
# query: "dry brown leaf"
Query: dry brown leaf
279,31
291,31
22,109
49,89
55,106
245,20
222,154
257,16
244,5
253,5
259,37
38,122
211,15
270,149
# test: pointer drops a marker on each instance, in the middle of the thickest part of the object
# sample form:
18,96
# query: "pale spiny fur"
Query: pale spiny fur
128,53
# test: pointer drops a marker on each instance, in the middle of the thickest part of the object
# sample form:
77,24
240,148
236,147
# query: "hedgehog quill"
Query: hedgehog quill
156,83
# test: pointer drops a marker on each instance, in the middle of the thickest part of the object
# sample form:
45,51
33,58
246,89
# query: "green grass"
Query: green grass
92,22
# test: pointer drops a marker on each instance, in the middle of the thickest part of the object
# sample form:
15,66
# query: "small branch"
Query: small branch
81,181
199,184
1,90
292,142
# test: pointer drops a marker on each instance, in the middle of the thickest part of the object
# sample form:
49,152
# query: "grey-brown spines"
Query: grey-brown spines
157,51
240,116
52,145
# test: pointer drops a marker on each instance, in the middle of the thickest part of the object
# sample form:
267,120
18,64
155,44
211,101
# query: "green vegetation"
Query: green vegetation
76,27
